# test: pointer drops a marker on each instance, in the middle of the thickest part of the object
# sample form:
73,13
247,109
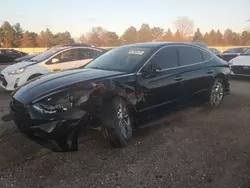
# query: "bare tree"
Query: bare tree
185,26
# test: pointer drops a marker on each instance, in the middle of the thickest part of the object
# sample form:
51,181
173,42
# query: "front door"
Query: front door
163,84
68,59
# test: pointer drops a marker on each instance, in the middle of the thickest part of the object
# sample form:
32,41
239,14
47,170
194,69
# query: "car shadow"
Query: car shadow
168,118
16,149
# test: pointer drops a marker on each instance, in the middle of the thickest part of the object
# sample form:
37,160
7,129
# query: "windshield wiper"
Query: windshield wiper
96,68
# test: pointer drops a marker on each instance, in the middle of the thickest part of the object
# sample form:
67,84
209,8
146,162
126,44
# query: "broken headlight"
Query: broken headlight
61,104
51,109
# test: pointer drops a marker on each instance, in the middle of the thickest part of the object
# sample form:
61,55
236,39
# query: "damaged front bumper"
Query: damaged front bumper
57,132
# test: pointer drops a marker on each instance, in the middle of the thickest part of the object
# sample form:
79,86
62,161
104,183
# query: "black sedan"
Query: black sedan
9,55
231,53
118,89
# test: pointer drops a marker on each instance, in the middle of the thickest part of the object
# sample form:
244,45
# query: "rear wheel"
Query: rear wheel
117,123
216,93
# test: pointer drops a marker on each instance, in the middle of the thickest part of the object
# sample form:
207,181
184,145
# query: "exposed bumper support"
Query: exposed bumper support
58,135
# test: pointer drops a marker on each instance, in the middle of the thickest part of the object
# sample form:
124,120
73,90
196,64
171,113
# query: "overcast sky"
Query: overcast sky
78,16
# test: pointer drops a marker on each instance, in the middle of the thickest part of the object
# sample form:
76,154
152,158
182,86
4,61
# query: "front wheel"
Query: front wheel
216,93
117,123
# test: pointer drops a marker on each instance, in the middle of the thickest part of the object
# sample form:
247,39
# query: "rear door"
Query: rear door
68,59
196,70
86,55
163,86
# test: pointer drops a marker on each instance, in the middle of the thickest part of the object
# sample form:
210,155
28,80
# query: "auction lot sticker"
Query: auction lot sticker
136,52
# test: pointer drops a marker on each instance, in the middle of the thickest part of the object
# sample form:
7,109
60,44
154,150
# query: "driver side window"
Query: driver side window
166,58
87,53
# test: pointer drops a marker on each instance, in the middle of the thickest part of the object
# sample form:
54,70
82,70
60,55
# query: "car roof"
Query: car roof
66,46
229,49
157,45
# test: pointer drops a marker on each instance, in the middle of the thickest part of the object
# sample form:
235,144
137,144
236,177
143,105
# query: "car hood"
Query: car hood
54,82
17,66
240,61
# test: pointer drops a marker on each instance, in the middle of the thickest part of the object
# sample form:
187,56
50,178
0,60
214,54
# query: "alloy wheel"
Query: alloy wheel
217,93
124,121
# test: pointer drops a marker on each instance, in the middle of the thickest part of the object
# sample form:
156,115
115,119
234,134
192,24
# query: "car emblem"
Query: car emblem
246,67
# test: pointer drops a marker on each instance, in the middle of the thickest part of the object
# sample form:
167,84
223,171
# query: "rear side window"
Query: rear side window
166,58
206,55
189,55
88,54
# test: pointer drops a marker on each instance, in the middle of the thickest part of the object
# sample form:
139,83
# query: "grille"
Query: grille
2,79
241,70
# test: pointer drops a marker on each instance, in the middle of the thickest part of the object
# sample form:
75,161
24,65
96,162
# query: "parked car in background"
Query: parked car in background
25,58
231,53
201,44
240,65
55,59
118,89
9,55
215,52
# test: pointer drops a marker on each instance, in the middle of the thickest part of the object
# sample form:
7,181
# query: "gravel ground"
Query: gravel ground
194,147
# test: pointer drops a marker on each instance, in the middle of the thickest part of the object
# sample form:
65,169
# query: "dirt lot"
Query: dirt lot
195,147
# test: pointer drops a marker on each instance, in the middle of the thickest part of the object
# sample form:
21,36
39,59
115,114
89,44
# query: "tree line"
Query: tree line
15,36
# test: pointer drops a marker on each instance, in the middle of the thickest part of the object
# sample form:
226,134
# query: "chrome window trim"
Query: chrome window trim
177,45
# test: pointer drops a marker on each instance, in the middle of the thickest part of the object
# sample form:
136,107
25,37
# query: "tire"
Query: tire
216,93
117,123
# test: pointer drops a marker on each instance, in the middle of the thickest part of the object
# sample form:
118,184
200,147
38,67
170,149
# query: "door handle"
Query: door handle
179,78
210,71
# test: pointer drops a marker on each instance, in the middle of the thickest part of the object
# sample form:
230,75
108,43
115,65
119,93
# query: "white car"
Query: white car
55,59
240,65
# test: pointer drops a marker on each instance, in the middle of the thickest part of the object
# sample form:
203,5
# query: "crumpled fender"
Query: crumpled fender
106,89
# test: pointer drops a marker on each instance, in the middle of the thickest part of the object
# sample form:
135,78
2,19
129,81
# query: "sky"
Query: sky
79,16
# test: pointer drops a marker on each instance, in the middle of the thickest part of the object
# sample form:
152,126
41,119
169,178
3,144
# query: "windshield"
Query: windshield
236,50
123,59
247,52
45,55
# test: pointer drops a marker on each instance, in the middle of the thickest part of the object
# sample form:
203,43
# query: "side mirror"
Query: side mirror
55,60
154,69
151,71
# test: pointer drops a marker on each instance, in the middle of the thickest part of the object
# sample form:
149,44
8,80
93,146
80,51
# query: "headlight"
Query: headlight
55,105
50,109
18,71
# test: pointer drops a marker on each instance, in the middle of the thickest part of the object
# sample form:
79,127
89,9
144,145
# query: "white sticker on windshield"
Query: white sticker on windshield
136,52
